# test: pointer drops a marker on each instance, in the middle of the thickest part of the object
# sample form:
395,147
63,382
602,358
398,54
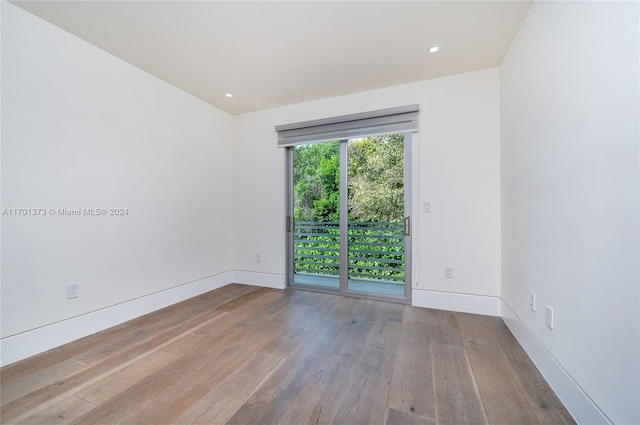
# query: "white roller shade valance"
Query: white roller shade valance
392,120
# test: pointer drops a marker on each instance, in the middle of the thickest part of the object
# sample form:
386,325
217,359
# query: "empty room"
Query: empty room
320,212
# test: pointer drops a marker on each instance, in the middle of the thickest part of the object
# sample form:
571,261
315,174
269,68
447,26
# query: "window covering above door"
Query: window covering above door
392,120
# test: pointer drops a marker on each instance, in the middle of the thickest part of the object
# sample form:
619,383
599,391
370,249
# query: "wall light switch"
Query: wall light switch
532,301
426,206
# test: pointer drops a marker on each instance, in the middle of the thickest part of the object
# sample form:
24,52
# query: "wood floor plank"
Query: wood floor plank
270,401
208,367
456,397
120,380
305,297
237,302
262,315
502,395
442,327
156,323
412,380
220,404
293,334
397,417
363,398
128,392
142,395
67,409
29,383
22,405
321,389
539,394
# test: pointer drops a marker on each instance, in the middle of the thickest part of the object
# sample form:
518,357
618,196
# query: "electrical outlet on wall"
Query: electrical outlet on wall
73,290
448,272
258,258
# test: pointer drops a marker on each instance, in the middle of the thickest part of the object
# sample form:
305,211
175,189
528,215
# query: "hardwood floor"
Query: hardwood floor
247,355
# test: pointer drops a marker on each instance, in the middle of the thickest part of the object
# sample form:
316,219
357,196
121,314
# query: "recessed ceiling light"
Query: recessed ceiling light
433,49
228,94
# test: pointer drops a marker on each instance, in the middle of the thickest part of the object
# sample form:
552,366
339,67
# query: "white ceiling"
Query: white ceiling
270,53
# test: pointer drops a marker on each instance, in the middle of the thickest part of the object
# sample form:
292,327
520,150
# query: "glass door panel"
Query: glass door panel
316,214
376,211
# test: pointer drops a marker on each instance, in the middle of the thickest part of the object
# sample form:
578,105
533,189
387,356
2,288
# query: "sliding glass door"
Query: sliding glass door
376,214
348,224
314,219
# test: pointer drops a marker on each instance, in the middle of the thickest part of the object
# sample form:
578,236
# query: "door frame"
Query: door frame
344,253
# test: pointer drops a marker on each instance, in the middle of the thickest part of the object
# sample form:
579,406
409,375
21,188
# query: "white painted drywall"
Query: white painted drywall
570,185
458,167
83,129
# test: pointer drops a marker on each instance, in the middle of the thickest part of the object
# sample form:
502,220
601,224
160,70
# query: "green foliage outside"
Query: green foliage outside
375,213
316,177
375,180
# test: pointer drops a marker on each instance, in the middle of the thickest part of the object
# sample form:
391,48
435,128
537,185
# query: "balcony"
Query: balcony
375,253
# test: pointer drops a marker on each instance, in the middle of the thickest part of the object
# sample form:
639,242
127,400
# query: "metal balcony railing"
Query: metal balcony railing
375,251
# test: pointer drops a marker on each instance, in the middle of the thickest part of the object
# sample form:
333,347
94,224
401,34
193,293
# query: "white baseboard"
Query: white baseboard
268,280
27,344
581,407
465,303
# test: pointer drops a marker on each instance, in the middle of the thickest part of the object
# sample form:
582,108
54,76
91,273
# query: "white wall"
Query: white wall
83,129
570,193
458,167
